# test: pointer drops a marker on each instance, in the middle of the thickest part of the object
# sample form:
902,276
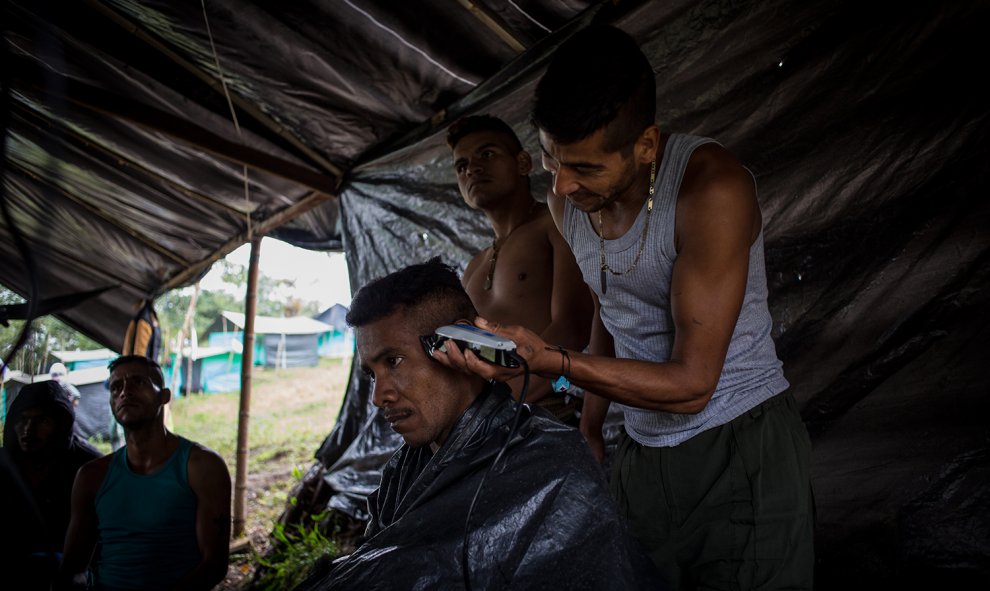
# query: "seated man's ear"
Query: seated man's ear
166,395
524,163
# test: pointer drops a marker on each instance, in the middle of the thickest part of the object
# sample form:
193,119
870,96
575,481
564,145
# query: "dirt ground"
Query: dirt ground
258,525
303,401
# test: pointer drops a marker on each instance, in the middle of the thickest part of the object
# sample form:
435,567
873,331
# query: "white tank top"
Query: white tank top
636,309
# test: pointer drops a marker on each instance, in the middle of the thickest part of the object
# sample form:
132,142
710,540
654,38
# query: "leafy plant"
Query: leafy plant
296,550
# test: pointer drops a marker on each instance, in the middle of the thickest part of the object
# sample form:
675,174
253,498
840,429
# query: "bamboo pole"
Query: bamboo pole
189,328
247,361
493,22
260,228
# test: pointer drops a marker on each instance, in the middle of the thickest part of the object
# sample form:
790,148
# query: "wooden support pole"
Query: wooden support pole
493,22
190,329
247,362
263,227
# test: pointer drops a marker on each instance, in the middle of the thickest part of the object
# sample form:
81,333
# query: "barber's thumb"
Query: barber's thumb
486,325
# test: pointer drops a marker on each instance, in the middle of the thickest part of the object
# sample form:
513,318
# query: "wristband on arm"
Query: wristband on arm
561,384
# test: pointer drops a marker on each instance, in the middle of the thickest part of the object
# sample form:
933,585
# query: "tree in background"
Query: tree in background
47,334
275,298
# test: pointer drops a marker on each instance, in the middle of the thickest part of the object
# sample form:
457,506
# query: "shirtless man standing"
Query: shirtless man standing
528,276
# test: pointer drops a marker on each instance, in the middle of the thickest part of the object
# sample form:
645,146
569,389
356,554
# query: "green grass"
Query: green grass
291,413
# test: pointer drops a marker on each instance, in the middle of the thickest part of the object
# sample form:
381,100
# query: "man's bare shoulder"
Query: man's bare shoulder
476,261
100,464
715,173
533,241
207,471
91,474
717,194
547,225
205,457
540,224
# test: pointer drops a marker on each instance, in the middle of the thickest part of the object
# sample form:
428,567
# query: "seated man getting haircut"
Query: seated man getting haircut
444,517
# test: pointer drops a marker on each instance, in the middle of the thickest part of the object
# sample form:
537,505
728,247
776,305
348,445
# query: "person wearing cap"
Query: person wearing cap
38,463
59,373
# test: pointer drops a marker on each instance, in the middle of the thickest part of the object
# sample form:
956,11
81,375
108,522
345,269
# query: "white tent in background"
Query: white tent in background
279,342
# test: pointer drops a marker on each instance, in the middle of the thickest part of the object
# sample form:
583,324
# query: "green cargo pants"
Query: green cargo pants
731,508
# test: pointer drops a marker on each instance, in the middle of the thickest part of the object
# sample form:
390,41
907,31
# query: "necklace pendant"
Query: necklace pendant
488,283
604,284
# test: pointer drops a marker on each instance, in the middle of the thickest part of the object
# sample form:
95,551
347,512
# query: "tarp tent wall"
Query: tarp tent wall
291,350
339,342
235,339
93,411
214,370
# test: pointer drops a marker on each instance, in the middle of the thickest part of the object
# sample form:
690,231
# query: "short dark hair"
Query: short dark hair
157,375
597,78
475,123
431,293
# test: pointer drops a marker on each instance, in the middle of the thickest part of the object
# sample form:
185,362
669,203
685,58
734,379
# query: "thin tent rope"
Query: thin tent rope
527,15
233,115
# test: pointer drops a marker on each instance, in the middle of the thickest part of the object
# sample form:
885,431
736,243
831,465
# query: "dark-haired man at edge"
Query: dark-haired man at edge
712,471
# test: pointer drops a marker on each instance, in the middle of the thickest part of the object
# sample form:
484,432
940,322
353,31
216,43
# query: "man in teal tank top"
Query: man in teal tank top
157,510
712,470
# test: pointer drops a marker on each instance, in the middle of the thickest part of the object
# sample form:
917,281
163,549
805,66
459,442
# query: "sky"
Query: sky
320,276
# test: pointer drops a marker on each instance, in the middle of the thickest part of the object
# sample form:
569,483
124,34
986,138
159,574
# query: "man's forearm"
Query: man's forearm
539,388
593,412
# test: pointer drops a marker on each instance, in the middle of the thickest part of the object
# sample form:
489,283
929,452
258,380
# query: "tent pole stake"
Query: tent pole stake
247,361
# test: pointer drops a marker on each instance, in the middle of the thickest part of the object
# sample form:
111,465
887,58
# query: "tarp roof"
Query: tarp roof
79,377
274,325
865,123
94,354
126,166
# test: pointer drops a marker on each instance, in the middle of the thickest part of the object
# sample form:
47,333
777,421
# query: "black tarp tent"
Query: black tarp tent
865,124
93,412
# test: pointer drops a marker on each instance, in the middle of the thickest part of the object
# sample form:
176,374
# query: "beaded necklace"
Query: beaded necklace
601,235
